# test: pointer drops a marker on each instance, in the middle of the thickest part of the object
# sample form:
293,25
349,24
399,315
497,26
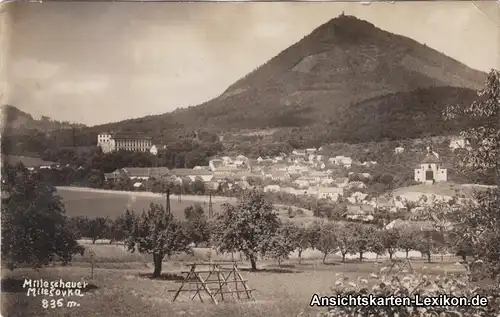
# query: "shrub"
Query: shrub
411,285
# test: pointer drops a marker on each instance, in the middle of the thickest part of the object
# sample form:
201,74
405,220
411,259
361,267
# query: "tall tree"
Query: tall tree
282,244
479,222
389,240
97,228
247,227
35,231
158,233
327,242
365,239
345,242
196,224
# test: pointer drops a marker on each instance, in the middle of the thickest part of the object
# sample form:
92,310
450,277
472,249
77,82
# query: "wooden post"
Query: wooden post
235,281
91,265
220,282
210,207
168,201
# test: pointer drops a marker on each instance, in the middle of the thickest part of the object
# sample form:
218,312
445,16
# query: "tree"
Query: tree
407,240
157,232
95,179
389,240
327,242
198,186
197,224
428,242
345,233
192,212
246,227
97,228
78,226
280,245
479,221
35,230
122,227
302,240
364,239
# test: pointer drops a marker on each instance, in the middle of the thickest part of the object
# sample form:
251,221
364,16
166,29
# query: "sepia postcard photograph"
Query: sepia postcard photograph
250,159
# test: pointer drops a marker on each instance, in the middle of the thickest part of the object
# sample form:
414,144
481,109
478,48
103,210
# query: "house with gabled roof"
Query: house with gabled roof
332,193
143,173
215,163
226,171
192,174
280,176
431,169
299,152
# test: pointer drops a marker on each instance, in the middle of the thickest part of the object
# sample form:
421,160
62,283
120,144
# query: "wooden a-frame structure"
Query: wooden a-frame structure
219,277
400,265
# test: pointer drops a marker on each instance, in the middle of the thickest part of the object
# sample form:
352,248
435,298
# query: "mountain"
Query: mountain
336,78
15,121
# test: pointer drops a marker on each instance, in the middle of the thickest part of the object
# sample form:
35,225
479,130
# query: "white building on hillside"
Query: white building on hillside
458,143
431,169
110,142
399,150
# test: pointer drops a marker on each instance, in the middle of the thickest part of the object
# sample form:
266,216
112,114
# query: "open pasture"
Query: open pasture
124,289
93,203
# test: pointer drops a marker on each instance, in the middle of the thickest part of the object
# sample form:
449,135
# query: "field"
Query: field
102,203
105,203
121,286
446,190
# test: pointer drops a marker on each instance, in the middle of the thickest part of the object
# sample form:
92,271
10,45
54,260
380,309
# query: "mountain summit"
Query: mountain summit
344,65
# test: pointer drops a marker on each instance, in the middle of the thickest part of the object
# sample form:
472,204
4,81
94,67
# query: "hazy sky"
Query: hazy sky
99,62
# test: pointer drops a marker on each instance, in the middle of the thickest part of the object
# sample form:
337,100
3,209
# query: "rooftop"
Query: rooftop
430,158
190,172
27,161
145,171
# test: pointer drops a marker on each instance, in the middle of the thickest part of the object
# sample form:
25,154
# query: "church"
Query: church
430,169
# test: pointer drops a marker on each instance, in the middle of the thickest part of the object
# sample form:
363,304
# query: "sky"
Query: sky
103,62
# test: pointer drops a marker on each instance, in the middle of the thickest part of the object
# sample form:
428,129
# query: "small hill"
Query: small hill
15,121
334,78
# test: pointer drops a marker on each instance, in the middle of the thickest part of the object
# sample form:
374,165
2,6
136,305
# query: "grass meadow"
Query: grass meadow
105,203
100,203
120,285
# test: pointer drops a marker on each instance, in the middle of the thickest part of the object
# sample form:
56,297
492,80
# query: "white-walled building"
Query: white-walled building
431,169
109,142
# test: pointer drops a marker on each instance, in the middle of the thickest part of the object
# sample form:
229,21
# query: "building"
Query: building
458,143
192,174
399,150
31,163
154,149
332,193
280,176
226,171
431,169
299,152
139,173
110,142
